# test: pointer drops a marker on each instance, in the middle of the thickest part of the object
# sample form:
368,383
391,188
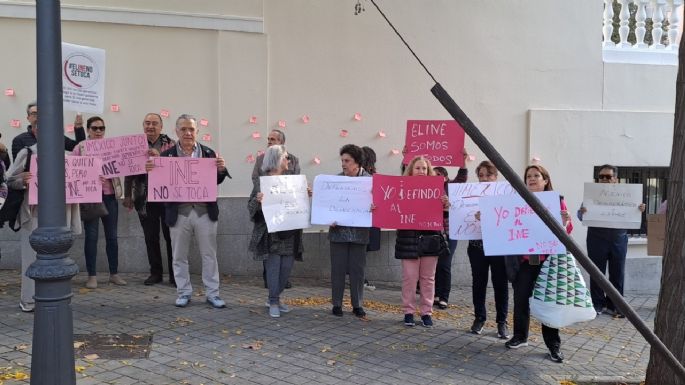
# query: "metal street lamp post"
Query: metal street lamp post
53,335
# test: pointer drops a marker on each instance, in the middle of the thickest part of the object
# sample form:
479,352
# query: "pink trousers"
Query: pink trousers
423,271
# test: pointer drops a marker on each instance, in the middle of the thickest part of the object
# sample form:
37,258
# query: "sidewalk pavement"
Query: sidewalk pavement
241,344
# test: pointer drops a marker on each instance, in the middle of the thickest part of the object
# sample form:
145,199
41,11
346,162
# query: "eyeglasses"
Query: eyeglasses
33,113
605,177
97,128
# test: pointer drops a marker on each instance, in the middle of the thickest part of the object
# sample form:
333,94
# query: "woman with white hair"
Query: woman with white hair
277,249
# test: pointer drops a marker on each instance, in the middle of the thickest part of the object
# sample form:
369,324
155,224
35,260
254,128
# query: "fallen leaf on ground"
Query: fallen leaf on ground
91,357
78,344
21,347
80,369
330,362
254,346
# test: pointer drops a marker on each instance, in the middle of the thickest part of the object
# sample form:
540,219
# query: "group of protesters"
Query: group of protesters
426,255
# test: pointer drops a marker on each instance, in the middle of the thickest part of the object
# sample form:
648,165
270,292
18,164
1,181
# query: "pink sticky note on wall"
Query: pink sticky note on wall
16,123
204,122
70,128
253,119
381,134
357,116
250,158
256,135
316,160
281,123
114,108
395,151
471,158
344,133
305,119
164,113
9,92
206,137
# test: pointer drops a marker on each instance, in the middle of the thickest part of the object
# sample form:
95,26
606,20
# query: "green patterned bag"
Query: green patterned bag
560,297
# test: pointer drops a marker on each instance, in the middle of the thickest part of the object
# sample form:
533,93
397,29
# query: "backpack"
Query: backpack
10,210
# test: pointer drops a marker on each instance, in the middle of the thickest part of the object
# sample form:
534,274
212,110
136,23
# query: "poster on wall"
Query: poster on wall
440,141
83,78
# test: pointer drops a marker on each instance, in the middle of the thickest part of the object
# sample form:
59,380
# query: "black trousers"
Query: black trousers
523,290
151,223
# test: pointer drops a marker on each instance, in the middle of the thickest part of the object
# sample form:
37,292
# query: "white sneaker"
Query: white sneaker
26,307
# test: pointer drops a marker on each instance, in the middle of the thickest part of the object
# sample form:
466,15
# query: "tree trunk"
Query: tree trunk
669,324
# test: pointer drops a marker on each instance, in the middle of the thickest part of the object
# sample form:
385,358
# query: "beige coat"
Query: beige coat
30,213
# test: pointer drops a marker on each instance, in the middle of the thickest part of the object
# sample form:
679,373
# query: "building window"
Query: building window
654,182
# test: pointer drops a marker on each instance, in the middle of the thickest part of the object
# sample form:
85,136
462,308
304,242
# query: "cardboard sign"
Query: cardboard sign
408,202
83,78
342,199
286,202
81,179
612,205
440,141
511,227
464,199
121,155
656,234
182,179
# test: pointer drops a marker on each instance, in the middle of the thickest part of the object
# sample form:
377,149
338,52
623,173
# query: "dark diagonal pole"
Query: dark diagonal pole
52,358
489,150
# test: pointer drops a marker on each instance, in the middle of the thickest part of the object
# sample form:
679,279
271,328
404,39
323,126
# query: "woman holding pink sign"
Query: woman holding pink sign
111,191
419,251
523,271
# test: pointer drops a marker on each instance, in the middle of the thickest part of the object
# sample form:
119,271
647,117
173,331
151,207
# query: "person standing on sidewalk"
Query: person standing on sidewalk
151,214
418,264
523,271
480,264
607,246
186,219
111,191
277,250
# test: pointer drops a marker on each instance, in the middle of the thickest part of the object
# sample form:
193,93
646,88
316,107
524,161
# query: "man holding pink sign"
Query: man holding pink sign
185,185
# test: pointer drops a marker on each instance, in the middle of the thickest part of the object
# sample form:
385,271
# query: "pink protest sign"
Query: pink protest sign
408,202
182,180
440,141
81,179
121,155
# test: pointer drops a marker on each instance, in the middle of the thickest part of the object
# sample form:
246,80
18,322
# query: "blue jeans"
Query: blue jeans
443,273
90,228
605,252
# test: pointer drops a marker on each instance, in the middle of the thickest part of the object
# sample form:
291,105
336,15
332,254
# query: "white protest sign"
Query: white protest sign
612,205
83,78
511,227
286,202
342,199
464,206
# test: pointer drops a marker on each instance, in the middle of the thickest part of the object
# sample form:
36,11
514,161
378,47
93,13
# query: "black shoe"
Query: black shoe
359,312
516,342
556,355
427,321
618,314
153,279
337,311
288,285
502,330
477,326
409,320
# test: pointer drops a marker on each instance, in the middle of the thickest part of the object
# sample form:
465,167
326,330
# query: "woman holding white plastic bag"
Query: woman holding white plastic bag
523,271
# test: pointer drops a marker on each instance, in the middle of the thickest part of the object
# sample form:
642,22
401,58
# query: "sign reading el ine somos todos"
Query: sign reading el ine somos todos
342,199
440,141
511,227
464,199
121,155
408,202
612,205
182,179
81,179
285,204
